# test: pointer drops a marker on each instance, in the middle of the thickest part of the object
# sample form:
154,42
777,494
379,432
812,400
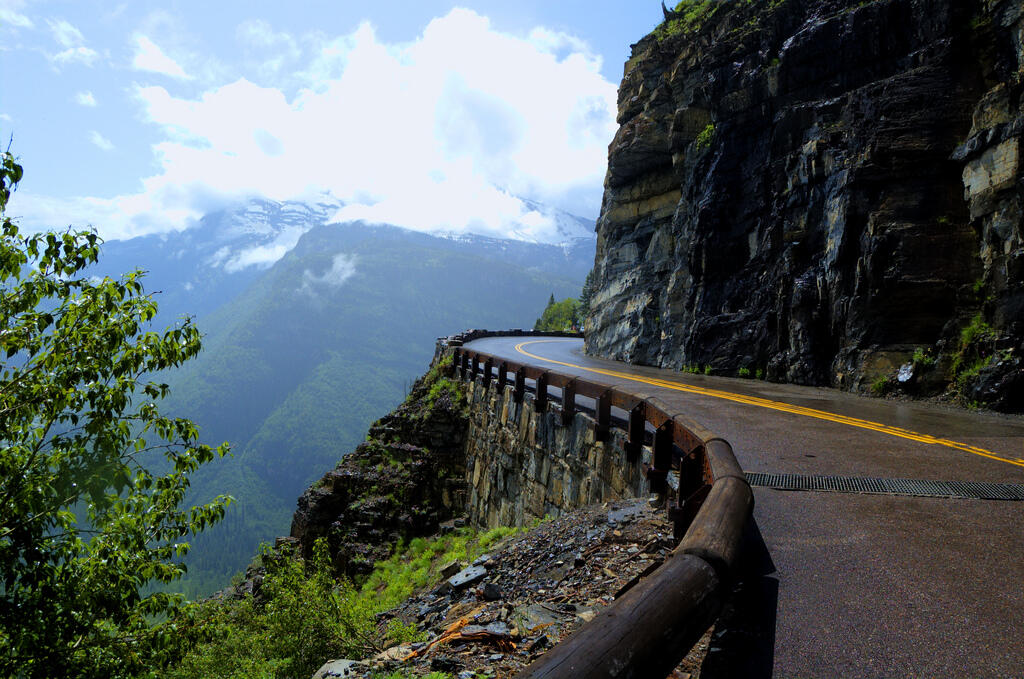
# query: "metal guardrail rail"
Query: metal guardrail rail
647,631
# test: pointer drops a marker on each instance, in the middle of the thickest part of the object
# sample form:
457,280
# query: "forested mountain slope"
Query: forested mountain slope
296,367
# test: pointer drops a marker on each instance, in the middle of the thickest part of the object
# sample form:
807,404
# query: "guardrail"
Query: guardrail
647,631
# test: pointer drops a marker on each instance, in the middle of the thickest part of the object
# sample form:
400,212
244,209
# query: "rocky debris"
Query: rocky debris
337,668
537,588
467,577
405,481
816,189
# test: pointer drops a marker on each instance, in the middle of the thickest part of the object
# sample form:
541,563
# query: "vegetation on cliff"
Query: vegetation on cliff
569,314
304,614
401,483
92,476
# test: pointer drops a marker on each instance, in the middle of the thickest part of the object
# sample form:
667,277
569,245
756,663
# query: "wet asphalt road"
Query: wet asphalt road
843,584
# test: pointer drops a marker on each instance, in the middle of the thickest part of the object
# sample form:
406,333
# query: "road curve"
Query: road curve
846,584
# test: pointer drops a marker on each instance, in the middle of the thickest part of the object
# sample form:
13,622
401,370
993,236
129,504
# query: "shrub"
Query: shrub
705,137
880,386
693,15
922,358
307,617
93,479
975,350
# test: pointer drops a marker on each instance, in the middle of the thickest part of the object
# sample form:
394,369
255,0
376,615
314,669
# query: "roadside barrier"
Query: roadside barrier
648,630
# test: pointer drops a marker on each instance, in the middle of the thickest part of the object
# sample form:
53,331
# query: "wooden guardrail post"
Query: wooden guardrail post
520,388
568,403
693,490
502,376
541,403
603,423
465,365
661,458
637,424
488,369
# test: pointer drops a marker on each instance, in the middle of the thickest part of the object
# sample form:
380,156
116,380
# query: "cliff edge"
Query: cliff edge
826,192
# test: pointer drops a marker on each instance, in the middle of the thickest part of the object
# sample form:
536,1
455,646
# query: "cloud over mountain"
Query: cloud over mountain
441,133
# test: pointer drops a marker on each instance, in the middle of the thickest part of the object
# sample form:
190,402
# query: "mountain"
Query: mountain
196,270
828,191
302,354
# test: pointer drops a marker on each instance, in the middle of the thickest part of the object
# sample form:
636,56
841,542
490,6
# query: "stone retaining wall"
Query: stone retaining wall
523,465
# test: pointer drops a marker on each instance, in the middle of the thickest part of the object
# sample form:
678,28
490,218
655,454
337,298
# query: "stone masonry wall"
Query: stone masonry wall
523,465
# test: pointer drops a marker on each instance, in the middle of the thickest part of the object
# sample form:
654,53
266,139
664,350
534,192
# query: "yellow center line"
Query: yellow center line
780,406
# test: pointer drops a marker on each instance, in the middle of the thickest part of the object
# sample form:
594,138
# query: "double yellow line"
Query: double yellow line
780,406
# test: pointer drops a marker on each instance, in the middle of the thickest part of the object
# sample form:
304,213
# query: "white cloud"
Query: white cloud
149,57
7,118
343,267
273,52
417,134
85,99
100,141
65,34
82,55
73,42
118,217
10,17
260,255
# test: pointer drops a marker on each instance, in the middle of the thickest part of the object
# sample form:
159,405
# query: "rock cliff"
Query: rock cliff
403,482
823,190
459,452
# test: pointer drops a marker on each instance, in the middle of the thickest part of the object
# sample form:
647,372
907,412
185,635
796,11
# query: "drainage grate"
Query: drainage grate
915,487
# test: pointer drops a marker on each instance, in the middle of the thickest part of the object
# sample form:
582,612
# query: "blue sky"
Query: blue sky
139,117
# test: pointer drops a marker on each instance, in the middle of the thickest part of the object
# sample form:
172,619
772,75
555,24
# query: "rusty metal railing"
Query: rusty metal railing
647,631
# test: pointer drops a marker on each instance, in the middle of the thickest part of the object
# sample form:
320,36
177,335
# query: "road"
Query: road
851,584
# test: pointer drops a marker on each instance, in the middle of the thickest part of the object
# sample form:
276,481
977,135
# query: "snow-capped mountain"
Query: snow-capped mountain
541,224
199,269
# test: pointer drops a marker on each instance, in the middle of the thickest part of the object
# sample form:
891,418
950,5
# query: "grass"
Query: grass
705,137
745,373
696,369
442,387
418,564
308,615
923,358
881,385
974,351
693,15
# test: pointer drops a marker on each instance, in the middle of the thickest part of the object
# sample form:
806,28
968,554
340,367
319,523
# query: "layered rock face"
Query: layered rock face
818,189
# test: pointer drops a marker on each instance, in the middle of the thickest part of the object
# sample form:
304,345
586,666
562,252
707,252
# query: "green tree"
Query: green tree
563,315
586,295
92,476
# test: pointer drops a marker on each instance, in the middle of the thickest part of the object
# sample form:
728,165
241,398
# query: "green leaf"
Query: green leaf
85,530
